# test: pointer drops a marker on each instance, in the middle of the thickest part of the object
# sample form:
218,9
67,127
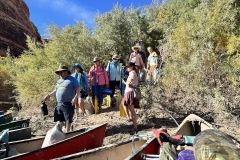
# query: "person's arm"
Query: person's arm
77,91
86,82
50,95
141,61
106,78
90,74
130,58
74,100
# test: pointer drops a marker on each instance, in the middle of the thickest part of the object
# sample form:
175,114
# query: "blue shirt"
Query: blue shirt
114,71
66,89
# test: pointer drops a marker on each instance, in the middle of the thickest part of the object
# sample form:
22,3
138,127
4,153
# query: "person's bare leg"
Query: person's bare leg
81,105
77,109
134,117
68,126
127,112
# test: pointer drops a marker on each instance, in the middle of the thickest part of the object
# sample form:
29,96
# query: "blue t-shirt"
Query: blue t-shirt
66,89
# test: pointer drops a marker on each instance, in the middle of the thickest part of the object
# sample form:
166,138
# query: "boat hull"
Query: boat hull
6,118
185,129
15,124
75,142
117,151
19,134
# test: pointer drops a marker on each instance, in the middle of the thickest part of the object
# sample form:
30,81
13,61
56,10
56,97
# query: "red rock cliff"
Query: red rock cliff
14,26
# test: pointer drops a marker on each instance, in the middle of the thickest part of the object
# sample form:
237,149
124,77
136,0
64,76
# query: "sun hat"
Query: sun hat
62,68
78,65
130,64
95,59
115,56
136,46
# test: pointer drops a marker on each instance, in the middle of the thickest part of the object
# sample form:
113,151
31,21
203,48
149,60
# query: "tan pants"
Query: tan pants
152,68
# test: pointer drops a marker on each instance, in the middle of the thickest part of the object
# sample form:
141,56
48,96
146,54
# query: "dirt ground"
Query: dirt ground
118,127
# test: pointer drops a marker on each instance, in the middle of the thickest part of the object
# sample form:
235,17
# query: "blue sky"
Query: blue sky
66,12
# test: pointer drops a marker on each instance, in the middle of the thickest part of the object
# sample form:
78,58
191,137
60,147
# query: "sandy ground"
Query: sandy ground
118,127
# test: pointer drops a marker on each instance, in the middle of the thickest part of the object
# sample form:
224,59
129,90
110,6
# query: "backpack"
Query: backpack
168,152
82,83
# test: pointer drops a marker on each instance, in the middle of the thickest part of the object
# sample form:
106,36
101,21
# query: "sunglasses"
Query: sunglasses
60,72
135,48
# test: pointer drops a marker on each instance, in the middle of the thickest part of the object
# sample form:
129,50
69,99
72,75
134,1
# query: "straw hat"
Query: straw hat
136,46
115,56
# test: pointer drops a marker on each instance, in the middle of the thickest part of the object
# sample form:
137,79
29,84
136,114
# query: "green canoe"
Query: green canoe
15,124
6,118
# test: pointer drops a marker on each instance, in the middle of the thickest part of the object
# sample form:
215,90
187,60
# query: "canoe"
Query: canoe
186,128
118,151
20,134
15,124
6,118
2,113
75,141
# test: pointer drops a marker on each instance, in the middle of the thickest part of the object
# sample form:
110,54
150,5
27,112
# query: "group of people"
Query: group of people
72,89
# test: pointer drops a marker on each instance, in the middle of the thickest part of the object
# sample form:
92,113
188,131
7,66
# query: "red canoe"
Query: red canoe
75,141
152,147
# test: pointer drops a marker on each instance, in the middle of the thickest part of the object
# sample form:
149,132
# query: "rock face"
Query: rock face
14,26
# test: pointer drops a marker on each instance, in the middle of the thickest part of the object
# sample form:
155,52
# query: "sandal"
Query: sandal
133,132
129,120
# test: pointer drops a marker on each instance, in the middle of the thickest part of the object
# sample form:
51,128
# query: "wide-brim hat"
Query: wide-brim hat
115,56
95,59
78,65
62,68
136,46
130,64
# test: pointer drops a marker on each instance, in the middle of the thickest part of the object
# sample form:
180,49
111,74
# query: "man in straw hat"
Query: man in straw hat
114,74
67,91
100,80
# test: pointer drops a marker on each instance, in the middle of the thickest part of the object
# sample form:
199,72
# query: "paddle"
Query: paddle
108,96
121,109
108,101
95,92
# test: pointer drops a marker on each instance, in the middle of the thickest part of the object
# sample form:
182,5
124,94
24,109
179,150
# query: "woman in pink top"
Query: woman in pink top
129,102
99,79
136,58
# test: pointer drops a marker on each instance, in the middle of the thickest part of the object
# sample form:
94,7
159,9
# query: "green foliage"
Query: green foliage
201,39
33,73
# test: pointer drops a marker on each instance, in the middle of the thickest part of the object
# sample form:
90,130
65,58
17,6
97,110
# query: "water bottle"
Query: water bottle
44,109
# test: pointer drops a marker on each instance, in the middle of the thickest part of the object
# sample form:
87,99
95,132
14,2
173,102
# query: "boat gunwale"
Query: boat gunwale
57,143
98,149
12,122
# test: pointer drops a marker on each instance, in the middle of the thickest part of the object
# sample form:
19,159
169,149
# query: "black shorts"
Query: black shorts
64,112
82,94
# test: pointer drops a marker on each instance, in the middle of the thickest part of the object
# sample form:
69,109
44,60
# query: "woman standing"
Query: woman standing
83,82
152,61
129,102
114,73
136,58
99,77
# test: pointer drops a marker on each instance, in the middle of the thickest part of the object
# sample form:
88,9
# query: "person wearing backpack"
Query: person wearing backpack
99,77
114,74
83,82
